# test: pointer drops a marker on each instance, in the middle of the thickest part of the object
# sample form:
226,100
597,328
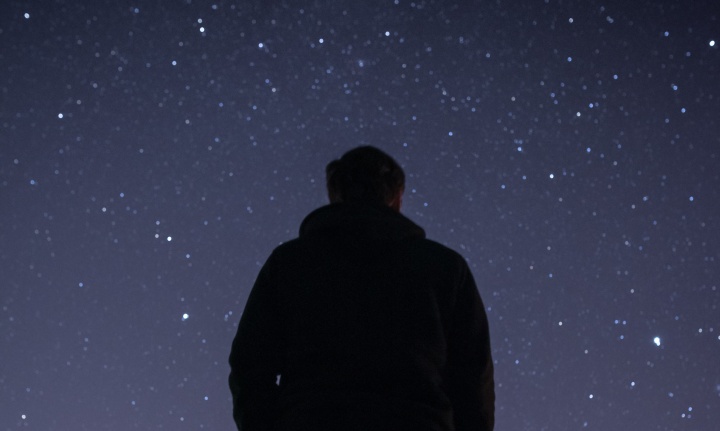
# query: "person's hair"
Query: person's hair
364,174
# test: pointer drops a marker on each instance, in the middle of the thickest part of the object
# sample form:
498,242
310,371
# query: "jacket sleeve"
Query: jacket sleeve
469,374
255,358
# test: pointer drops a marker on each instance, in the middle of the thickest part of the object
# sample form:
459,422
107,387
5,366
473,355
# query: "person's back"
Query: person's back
362,323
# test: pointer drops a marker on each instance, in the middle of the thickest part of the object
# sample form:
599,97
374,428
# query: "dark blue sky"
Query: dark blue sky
152,154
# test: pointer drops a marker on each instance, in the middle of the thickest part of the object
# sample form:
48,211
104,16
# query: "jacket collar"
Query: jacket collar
366,222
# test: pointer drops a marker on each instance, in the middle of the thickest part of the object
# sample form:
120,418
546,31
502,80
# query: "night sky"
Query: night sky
152,154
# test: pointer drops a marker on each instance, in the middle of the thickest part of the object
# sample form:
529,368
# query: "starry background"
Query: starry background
152,154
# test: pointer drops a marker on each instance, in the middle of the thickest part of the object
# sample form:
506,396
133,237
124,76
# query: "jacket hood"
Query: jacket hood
365,222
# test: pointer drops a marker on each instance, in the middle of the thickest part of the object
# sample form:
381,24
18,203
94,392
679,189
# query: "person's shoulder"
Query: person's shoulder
287,247
432,245
440,251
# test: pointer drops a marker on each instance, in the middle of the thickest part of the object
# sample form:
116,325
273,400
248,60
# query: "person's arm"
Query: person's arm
470,382
255,357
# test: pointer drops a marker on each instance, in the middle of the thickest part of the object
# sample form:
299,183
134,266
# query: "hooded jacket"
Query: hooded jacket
361,323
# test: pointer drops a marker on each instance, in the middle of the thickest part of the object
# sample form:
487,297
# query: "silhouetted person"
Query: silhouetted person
361,323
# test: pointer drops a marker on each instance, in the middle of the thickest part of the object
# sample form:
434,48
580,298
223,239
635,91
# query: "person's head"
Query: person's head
365,175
